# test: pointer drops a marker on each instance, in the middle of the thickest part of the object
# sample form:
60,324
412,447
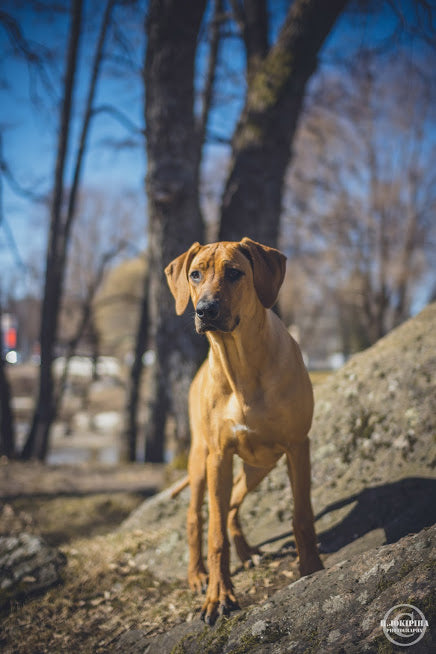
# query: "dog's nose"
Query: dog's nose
207,309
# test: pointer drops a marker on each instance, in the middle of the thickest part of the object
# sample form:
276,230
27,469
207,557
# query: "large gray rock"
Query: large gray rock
335,611
373,459
27,566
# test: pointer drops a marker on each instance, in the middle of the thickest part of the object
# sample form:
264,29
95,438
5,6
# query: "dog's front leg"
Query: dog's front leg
220,597
197,575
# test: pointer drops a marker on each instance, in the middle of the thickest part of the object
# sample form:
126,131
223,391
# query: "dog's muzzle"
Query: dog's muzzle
210,317
208,310
206,315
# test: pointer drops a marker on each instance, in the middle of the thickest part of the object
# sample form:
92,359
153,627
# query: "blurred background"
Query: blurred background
130,129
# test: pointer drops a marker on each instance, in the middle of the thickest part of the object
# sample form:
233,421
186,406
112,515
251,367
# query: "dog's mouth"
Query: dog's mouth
203,325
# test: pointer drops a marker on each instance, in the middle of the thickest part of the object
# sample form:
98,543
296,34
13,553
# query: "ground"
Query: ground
373,465
107,585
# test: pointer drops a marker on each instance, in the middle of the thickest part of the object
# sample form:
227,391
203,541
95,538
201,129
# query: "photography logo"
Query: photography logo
404,625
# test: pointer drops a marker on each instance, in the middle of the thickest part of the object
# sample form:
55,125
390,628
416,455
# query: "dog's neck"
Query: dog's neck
240,353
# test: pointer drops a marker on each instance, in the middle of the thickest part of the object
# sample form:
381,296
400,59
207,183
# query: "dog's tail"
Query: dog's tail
178,489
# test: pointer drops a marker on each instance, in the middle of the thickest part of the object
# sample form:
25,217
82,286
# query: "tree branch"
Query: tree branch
35,54
121,117
87,119
86,308
16,186
238,15
211,70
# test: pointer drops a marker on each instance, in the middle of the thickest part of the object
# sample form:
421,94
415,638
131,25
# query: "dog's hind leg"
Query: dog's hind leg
298,460
246,481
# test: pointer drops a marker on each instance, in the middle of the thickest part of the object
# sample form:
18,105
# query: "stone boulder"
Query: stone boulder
337,611
27,566
374,489
373,458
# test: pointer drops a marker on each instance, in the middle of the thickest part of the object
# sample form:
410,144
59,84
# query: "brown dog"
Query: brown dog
251,397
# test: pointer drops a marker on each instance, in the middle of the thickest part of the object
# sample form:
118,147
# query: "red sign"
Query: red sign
10,338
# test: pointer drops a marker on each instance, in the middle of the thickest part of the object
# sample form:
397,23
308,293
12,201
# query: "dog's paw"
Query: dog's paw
212,609
198,581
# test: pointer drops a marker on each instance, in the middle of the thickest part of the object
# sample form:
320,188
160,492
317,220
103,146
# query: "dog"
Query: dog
251,397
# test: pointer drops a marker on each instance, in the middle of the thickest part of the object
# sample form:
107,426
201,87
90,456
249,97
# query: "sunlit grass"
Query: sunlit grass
319,376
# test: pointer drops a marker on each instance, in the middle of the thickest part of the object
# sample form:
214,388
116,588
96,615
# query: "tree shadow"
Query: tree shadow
399,508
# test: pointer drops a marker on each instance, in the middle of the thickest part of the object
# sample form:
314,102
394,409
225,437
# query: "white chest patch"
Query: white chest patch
241,429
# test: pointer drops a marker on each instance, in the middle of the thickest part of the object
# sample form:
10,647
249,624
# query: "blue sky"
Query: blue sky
29,129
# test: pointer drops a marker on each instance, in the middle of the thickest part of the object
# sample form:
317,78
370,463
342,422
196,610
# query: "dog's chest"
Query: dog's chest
252,440
254,448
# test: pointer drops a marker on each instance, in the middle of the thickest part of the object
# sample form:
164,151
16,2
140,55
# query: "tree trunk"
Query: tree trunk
411,241
252,18
37,441
251,203
173,155
129,444
7,431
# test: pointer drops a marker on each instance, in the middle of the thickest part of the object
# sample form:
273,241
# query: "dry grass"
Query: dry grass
319,376
108,586
103,593
108,589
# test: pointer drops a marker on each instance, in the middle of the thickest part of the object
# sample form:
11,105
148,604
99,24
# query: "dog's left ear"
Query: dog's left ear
177,277
269,266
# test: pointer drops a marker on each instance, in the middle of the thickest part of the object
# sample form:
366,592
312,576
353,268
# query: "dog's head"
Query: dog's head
224,280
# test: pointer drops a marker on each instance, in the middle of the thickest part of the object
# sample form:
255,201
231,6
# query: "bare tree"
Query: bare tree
134,381
174,146
174,143
37,442
94,248
251,203
162,404
104,235
361,199
261,145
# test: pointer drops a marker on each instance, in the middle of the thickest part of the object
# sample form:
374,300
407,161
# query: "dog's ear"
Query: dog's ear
269,266
177,277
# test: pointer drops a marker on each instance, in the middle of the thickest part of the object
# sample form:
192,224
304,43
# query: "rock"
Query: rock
168,517
372,445
373,457
373,460
27,566
338,610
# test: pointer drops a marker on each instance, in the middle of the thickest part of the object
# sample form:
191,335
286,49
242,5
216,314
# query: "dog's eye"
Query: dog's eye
233,274
195,275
